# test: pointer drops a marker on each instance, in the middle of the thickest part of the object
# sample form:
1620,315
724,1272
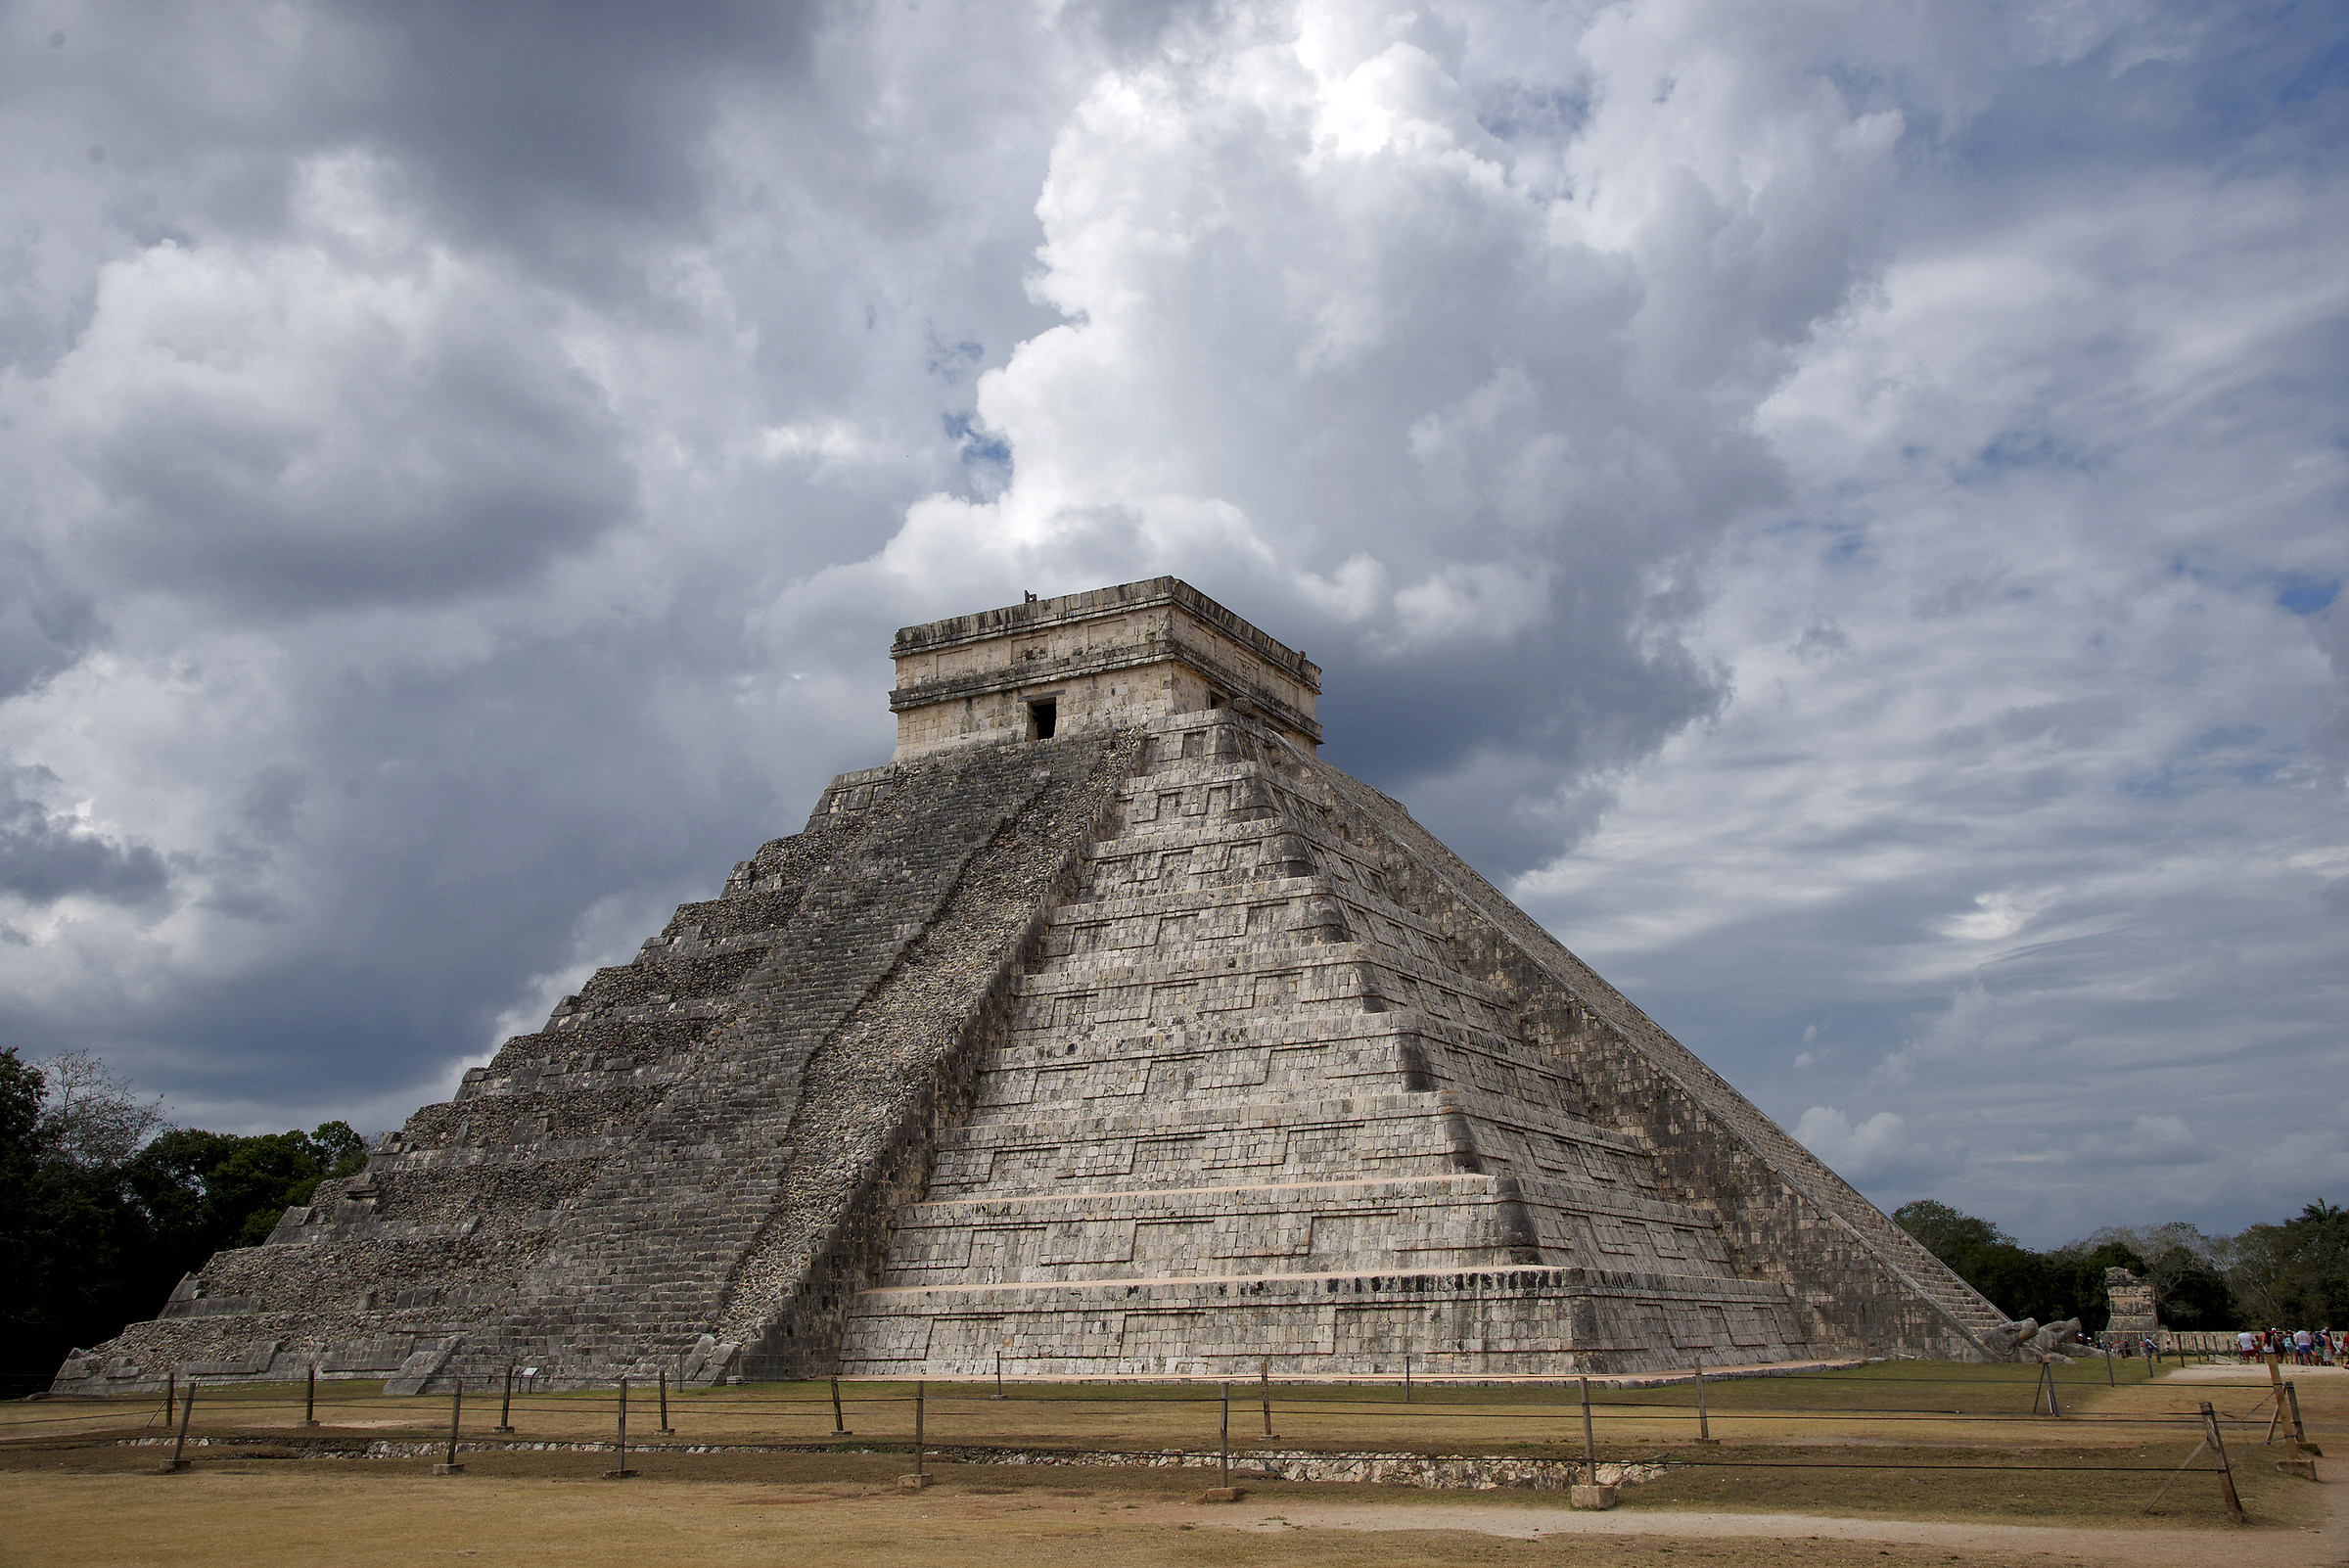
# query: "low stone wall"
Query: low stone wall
1432,1472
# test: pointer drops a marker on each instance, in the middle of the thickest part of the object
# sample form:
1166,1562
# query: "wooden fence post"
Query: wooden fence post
921,1475
2299,1455
2218,1445
619,1470
1224,1435
456,1415
1589,1444
179,1448
2046,1386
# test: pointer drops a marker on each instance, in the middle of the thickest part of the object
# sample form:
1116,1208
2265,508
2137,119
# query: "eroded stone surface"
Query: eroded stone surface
1108,658
2134,1314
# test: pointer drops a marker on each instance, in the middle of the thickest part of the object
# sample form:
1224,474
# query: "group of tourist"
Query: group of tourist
2296,1347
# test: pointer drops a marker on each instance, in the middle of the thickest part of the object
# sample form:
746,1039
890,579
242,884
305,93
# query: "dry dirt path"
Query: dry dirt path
233,1515
2323,1547
2231,1373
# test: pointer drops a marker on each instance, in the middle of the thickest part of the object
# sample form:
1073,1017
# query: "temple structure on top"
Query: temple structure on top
1090,663
1106,1028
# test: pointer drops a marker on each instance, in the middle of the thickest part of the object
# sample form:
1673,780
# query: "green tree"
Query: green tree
1946,1233
68,1240
2021,1283
99,1220
204,1192
2297,1273
2077,1273
2186,1268
2188,1292
23,1249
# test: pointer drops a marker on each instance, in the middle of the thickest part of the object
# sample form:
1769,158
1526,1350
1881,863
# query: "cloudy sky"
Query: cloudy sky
1838,506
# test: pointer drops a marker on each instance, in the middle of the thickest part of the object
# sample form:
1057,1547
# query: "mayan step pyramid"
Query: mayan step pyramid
1107,1030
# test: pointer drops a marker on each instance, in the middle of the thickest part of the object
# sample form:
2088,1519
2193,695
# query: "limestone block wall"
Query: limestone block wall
1544,1322
457,1209
882,1089
1110,657
1084,702
2133,1312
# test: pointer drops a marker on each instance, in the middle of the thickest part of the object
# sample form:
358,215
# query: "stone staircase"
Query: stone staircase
743,1168
1247,1086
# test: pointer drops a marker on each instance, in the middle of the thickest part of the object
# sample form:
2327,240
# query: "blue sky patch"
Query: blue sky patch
2304,595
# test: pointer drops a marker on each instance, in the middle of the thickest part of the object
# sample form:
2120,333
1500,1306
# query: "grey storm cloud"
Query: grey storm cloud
527,125
46,855
44,626
1840,509
422,454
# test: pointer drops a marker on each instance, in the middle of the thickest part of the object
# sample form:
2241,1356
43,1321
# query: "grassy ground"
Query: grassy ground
1811,1445
1898,1403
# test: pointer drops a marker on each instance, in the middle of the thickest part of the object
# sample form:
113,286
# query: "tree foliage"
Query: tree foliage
90,1115
2186,1268
2284,1275
99,1219
2298,1271
2050,1286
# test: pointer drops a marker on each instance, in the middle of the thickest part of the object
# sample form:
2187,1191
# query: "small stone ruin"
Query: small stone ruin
2133,1317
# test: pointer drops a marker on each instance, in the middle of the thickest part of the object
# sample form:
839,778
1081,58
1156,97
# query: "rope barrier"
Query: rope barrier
217,1399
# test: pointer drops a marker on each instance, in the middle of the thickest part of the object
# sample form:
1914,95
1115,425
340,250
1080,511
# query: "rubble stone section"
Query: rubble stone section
1109,658
1282,1086
1151,1045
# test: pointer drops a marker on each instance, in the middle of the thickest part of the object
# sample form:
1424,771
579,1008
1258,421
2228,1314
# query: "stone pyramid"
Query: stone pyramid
1109,1030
